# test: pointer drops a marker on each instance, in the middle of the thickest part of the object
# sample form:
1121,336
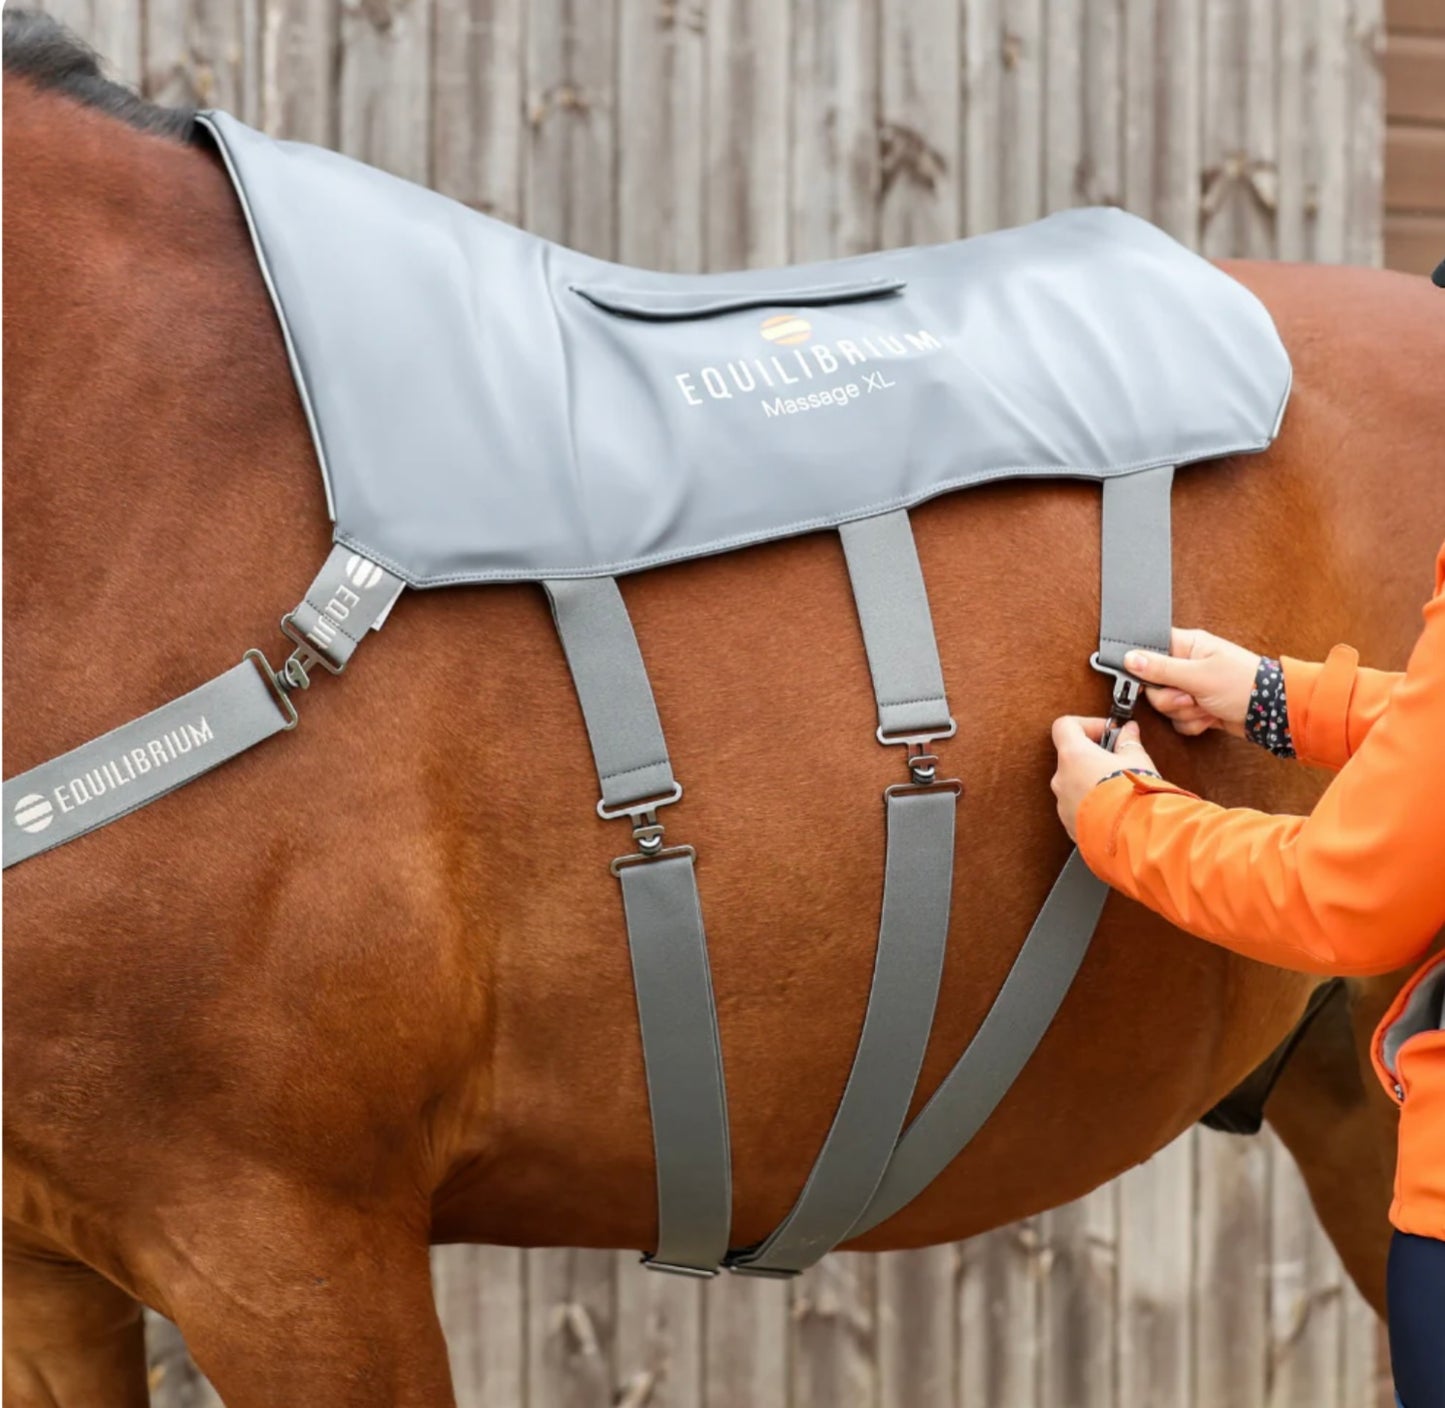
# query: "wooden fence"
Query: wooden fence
698,134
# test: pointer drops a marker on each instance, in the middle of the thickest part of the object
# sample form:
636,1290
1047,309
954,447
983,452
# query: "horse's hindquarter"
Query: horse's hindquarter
384,954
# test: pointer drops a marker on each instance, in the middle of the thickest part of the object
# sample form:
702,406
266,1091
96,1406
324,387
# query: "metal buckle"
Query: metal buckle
913,789
1127,689
278,687
642,857
306,656
922,763
646,829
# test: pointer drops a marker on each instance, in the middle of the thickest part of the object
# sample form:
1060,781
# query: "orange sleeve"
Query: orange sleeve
1333,706
1357,887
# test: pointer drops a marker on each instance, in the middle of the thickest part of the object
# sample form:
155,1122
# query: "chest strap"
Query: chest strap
917,888
681,1050
1135,610
133,765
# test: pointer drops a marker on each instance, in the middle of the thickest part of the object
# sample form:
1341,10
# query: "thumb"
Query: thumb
1129,738
1157,669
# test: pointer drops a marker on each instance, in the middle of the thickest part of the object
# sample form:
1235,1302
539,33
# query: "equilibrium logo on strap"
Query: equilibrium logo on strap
35,811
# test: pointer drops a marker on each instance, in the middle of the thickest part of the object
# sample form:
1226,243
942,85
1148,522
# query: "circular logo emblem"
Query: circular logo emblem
787,329
363,574
33,812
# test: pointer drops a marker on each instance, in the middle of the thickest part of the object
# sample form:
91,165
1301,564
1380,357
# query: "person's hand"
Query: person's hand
1203,683
1083,764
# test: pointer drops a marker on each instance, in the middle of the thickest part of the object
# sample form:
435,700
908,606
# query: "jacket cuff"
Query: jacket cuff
1102,813
1318,700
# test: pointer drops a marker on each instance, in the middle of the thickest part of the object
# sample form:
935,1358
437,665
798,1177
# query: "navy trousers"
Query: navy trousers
1415,1289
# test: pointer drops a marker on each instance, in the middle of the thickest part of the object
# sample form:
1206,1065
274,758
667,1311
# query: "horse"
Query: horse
367,989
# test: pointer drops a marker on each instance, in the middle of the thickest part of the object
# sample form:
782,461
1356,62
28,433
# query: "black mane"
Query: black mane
44,51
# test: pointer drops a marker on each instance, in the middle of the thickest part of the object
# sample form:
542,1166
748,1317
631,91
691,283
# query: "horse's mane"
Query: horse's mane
43,50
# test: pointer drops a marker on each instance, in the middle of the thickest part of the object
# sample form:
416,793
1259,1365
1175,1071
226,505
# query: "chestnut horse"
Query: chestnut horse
367,987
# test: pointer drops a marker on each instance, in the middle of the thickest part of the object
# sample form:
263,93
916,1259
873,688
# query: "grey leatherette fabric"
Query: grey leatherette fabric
488,406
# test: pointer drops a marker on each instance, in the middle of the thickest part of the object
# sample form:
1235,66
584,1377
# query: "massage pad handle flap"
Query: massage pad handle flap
679,305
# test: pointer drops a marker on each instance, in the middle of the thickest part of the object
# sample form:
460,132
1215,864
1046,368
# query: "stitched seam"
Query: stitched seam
1126,644
627,772
922,699
340,629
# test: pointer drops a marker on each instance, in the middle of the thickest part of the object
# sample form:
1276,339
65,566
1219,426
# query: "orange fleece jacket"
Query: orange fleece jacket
1355,888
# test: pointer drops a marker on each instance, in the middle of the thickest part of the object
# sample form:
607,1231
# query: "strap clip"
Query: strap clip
1127,689
922,761
646,828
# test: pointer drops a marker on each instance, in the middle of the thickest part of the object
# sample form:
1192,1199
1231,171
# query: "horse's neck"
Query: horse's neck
157,466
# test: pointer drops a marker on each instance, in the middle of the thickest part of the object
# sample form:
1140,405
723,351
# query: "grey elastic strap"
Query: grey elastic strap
103,780
350,596
1026,1004
917,888
897,625
681,1050
612,685
683,1058
1136,609
1135,586
912,937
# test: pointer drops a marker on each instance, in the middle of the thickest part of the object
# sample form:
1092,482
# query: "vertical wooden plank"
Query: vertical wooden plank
659,1352
660,59
1156,1253
835,176
1364,232
571,1315
747,133
1364,1357
982,119
999,1299
1021,112
1328,115
746,1336
204,53
482,1306
1104,117
1079,1302
834,1333
384,100
1066,104
1231,1302
1259,235
1240,151
1306,1295
569,186
478,110
917,1327
175,1382
296,95
921,116
1162,127
113,28
1141,78
1295,214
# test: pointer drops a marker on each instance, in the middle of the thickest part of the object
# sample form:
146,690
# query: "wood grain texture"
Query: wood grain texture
478,111
1079,1302
481,1298
1156,1271
384,73
840,139
747,133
